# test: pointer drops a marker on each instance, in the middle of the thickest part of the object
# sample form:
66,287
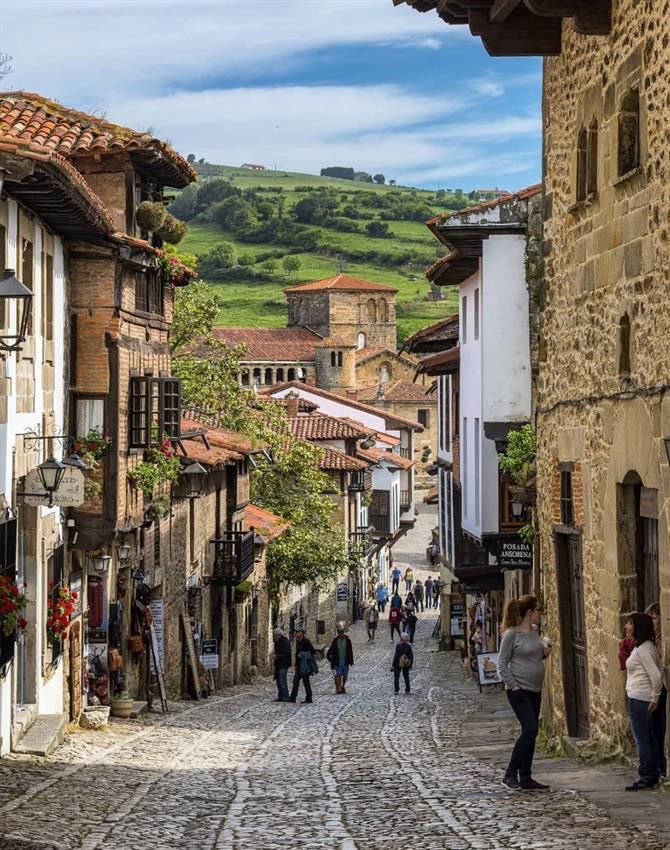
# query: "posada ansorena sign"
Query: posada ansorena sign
514,554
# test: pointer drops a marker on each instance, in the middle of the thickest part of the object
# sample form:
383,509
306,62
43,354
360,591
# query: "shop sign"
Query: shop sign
515,554
342,592
456,619
75,587
69,494
210,654
156,608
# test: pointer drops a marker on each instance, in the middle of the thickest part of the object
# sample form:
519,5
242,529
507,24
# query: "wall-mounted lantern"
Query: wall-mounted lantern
193,476
101,562
123,551
51,473
16,298
517,509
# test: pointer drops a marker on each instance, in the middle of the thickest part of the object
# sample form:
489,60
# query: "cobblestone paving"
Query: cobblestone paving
368,770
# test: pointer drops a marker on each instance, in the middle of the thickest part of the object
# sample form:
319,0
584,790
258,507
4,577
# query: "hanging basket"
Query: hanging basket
525,495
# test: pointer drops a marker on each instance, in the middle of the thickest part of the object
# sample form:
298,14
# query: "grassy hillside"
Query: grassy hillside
251,293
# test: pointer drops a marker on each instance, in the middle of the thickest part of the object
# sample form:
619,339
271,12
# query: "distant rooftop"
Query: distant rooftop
342,283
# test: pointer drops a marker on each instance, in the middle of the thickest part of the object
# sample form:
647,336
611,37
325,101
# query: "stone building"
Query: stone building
601,344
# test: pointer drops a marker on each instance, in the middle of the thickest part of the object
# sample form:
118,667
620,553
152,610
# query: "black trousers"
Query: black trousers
395,627
297,678
526,706
396,678
394,586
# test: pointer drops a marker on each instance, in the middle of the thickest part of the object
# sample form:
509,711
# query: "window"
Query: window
464,319
90,415
628,143
3,266
587,162
567,506
476,317
464,466
372,311
47,296
581,164
245,377
155,409
423,417
149,292
157,543
383,310
339,358
268,377
280,375
333,359
361,341
445,413
624,346
27,269
291,374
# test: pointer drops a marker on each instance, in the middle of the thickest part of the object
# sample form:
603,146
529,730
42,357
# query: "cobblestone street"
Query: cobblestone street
366,770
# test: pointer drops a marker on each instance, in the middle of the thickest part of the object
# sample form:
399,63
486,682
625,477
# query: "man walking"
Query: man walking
410,623
395,580
282,662
341,656
304,665
418,594
403,660
381,595
428,591
371,622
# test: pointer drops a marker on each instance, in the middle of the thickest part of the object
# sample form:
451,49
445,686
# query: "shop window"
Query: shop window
155,409
55,565
624,346
628,143
372,311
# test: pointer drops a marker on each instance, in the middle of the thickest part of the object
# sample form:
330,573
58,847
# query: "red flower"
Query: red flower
23,623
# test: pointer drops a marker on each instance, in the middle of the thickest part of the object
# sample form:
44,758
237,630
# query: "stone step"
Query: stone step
139,710
45,734
24,717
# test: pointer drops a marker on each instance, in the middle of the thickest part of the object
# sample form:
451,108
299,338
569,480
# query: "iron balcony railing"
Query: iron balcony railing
361,542
405,500
360,481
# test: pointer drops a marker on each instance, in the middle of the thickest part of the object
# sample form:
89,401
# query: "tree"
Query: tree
218,258
190,157
213,191
377,229
234,214
246,260
185,205
270,265
313,208
196,307
338,171
291,264
379,179
5,67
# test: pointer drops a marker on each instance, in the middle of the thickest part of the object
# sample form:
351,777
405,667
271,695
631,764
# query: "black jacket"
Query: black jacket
304,645
402,649
282,653
332,654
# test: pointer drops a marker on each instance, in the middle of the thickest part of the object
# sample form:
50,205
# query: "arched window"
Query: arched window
361,340
280,375
245,377
268,376
581,164
372,311
339,358
383,310
385,373
592,159
624,346
628,144
291,374
333,358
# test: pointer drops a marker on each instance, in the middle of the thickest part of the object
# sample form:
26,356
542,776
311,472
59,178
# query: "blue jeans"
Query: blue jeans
660,720
642,723
526,706
282,683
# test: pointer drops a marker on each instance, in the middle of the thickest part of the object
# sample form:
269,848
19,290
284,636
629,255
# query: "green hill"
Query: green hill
243,225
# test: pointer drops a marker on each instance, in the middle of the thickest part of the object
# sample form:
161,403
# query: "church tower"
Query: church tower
336,365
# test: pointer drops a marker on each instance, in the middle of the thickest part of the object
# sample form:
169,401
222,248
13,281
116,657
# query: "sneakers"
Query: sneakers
533,785
639,785
511,782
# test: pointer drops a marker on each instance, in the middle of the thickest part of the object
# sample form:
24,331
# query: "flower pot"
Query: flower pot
94,717
122,707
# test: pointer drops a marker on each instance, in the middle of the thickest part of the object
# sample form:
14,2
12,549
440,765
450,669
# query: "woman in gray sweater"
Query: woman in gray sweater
521,667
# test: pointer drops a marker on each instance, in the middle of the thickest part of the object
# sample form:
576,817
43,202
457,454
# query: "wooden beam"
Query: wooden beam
502,9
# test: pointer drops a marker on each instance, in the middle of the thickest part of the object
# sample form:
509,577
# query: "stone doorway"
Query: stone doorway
637,544
570,579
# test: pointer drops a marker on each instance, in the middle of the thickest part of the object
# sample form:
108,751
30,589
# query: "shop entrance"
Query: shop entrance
570,580
637,544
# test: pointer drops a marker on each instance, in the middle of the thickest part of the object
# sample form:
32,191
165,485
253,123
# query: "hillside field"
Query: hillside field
254,298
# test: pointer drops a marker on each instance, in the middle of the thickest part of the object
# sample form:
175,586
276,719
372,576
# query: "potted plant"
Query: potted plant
122,704
12,602
172,230
150,215
60,607
160,466
158,509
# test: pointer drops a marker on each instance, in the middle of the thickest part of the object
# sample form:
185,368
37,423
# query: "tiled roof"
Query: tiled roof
398,391
45,126
375,455
365,354
445,329
304,404
343,283
320,426
232,441
283,345
196,450
268,525
391,418
521,195
335,342
443,359
387,439
332,459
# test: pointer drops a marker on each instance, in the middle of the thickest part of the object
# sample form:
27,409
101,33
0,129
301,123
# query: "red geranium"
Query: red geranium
12,601
60,607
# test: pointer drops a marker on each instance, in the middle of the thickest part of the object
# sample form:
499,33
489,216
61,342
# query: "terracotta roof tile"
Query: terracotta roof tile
271,344
375,455
343,283
398,391
268,525
332,459
387,439
445,328
521,195
320,426
335,342
46,126
449,358
233,441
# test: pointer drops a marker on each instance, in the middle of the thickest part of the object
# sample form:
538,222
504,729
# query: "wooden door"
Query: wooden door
573,632
75,671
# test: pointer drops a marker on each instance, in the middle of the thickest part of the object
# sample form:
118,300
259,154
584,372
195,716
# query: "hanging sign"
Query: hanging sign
70,494
210,654
514,554
342,592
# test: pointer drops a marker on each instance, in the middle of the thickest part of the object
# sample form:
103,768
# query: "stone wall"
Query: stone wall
346,314
602,400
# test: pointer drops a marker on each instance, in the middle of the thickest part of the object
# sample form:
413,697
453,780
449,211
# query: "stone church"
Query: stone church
341,336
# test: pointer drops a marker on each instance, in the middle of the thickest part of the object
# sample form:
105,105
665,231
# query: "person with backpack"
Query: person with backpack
341,657
410,623
410,601
408,579
305,666
395,619
418,594
403,661
282,661
382,596
436,593
371,621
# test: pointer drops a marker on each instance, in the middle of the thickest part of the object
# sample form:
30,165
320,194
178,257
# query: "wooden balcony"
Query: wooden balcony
360,481
361,542
233,557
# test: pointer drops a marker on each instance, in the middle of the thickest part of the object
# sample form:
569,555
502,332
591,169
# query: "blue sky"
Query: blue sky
300,83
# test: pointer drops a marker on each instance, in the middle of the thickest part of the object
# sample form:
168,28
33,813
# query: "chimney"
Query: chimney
292,404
